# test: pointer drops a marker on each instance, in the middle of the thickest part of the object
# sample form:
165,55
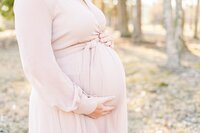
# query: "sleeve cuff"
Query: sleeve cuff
87,105
83,103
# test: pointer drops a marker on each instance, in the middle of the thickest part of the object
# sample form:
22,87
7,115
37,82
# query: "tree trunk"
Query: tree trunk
173,61
179,38
196,21
123,18
137,33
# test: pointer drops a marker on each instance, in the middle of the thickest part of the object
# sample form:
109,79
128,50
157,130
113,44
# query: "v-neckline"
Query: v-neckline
89,8
86,5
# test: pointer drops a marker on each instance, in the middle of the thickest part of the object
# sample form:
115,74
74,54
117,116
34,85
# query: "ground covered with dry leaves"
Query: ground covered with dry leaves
159,101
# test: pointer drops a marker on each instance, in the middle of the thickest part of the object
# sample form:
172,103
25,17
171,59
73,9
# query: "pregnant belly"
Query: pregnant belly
98,71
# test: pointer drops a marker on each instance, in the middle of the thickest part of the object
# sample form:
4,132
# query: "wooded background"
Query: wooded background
130,16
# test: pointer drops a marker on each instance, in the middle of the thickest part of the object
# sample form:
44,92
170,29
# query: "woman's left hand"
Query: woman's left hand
106,38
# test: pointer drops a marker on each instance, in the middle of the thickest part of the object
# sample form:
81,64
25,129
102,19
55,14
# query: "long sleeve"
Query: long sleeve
33,26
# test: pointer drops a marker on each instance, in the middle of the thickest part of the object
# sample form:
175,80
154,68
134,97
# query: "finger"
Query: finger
95,35
106,99
93,117
100,106
107,112
108,108
106,39
104,34
108,43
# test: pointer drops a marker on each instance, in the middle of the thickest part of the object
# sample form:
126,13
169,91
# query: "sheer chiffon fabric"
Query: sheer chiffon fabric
68,68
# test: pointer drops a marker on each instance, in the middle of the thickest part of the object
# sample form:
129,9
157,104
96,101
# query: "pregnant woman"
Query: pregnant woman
77,78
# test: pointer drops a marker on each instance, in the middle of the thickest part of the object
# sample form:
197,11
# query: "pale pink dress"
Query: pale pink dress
68,68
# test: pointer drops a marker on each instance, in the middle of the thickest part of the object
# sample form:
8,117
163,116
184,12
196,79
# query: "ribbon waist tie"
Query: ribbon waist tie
89,56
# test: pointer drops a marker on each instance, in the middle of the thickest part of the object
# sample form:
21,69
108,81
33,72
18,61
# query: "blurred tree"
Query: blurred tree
171,47
137,33
114,16
175,45
196,20
100,4
6,8
155,13
123,18
179,38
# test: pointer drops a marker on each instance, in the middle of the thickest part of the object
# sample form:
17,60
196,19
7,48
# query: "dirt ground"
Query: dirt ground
159,101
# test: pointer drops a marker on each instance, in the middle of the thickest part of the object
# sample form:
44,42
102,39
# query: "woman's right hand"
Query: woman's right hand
101,108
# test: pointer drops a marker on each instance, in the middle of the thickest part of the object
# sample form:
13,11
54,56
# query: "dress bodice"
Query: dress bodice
75,22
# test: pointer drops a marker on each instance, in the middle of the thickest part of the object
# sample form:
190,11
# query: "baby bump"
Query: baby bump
98,72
